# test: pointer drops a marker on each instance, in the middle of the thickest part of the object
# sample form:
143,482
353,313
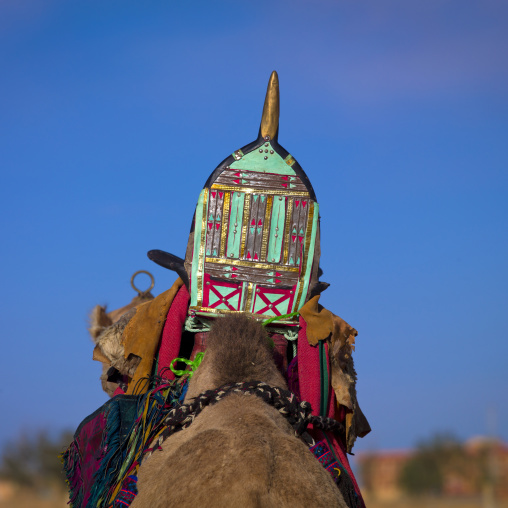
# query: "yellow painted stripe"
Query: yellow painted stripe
225,223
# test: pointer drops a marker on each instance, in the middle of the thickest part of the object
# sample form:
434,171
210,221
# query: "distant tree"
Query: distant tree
33,460
424,473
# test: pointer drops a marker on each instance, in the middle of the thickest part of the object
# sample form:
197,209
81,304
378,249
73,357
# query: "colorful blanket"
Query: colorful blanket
109,445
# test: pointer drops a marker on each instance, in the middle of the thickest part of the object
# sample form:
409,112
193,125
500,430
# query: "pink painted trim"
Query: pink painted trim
172,332
118,391
308,369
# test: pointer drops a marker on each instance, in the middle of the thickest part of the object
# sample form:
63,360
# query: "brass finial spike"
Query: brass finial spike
270,118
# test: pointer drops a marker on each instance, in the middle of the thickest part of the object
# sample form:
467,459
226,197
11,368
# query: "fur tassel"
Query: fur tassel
99,320
344,379
109,349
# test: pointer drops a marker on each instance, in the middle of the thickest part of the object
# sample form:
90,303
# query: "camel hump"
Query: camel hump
239,349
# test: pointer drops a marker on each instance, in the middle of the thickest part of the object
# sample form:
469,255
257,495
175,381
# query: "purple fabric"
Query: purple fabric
172,332
309,374
89,446
127,494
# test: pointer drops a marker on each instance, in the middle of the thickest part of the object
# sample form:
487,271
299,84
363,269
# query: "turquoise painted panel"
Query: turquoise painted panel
276,230
310,256
255,161
213,298
282,307
273,297
258,304
224,291
235,225
197,247
234,301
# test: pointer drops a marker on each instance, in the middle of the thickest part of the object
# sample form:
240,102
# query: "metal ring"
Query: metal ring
146,290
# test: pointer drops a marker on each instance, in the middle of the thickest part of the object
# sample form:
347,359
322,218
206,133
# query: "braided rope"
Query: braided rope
299,414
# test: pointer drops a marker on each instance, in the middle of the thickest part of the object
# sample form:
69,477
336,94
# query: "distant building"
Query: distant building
485,468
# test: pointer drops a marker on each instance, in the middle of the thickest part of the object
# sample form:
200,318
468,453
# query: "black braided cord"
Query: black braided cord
299,414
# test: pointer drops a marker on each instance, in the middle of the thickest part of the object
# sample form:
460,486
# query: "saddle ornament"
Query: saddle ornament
254,240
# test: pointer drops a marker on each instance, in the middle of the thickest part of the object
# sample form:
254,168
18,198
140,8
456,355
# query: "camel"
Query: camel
240,451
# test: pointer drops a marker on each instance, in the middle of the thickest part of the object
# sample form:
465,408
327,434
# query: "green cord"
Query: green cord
278,318
323,364
194,364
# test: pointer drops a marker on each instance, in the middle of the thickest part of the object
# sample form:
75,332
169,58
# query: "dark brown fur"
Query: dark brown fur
238,349
239,452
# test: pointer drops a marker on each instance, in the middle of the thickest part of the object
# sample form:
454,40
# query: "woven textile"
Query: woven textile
299,414
95,436
110,444
340,476
127,493
172,332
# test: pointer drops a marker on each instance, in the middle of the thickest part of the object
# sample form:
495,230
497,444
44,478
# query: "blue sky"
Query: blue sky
113,114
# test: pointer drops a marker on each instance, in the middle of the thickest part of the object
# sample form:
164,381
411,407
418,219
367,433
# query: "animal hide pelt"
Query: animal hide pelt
99,321
106,329
324,325
109,343
344,379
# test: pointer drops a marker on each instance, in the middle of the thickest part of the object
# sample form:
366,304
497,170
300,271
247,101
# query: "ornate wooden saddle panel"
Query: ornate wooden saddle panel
255,234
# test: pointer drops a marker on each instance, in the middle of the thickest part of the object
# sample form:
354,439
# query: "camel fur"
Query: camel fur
239,452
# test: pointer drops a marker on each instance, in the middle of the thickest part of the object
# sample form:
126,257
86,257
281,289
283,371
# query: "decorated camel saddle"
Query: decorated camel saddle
250,280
